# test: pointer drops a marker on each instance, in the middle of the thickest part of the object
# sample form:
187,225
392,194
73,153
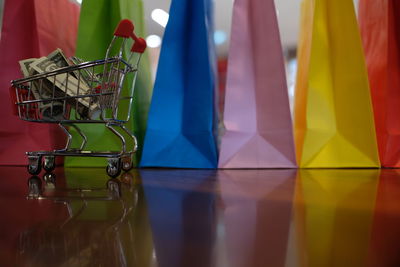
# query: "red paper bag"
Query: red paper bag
31,28
380,30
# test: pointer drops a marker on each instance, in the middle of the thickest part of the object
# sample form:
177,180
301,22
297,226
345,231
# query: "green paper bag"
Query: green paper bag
97,23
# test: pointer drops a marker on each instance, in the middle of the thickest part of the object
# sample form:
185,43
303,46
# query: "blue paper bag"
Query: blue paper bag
181,123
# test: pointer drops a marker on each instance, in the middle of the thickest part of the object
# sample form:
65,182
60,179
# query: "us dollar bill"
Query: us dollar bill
48,109
58,57
89,76
24,64
66,83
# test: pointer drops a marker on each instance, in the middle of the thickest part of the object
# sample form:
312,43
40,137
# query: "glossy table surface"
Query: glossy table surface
232,218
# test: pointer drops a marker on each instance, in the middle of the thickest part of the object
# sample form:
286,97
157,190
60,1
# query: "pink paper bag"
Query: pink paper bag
257,115
31,28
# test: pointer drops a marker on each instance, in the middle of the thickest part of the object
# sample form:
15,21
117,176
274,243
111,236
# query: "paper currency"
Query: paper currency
24,64
73,85
86,74
58,57
48,109
66,84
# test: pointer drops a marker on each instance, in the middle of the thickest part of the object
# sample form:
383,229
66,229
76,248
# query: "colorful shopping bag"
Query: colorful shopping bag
96,27
31,28
181,124
334,125
333,216
380,29
257,114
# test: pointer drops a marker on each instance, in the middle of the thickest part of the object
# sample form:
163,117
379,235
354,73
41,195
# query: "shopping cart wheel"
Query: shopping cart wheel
34,164
50,180
114,167
114,188
49,163
34,187
127,163
127,179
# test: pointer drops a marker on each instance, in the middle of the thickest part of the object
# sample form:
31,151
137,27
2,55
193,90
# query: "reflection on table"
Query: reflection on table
224,218
102,222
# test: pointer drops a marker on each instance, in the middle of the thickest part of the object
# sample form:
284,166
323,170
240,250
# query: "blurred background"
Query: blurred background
156,14
288,11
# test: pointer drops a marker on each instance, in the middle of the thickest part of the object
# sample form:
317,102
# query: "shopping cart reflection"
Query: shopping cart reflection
99,231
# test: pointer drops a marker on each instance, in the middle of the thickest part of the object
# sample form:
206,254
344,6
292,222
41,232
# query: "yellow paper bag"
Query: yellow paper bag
334,126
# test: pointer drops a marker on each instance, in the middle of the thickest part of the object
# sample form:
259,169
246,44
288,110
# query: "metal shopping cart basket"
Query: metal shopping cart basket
99,91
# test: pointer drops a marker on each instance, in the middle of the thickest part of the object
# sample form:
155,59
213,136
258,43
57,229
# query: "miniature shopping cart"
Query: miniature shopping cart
99,91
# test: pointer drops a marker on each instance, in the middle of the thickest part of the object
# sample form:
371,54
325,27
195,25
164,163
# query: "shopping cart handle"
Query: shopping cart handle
124,28
13,98
139,45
